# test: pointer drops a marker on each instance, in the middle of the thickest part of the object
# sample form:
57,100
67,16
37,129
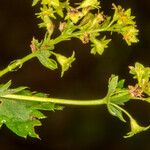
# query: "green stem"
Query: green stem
56,100
78,33
16,64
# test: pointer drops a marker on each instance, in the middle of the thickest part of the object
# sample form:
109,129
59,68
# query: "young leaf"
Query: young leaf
112,85
115,112
16,90
43,57
4,87
120,98
120,84
35,2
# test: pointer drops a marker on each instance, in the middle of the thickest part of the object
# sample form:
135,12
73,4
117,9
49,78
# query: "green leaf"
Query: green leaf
35,2
21,117
112,85
122,97
116,92
112,97
120,84
43,57
12,91
115,112
4,87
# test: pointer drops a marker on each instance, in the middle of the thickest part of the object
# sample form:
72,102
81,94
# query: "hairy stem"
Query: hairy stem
56,100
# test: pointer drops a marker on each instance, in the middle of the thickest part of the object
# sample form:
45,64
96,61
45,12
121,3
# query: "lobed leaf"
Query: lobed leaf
22,117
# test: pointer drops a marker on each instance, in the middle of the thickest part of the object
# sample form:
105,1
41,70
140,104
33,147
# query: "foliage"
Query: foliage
20,108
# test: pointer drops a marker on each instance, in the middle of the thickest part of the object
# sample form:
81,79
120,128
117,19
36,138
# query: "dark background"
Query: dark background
75,128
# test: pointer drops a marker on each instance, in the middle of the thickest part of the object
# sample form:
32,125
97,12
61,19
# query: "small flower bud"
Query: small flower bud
62,26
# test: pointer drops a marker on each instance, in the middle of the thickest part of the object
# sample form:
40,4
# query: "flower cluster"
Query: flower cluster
125,24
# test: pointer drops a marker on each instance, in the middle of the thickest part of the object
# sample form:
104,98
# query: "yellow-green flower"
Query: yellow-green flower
135,128
123,17
74,15
98,46
130,34
65,62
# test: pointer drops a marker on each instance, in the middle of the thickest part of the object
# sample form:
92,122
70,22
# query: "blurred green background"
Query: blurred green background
75,128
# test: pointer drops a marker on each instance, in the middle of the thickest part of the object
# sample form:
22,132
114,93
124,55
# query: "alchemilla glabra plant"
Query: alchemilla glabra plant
20,108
